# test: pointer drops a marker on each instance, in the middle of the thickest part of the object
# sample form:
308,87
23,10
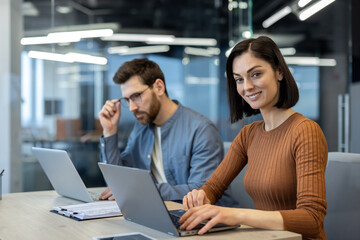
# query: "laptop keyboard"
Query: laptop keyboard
175,220
175,216
94,195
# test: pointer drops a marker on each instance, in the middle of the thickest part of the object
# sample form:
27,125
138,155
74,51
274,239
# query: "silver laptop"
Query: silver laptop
139,200
63,175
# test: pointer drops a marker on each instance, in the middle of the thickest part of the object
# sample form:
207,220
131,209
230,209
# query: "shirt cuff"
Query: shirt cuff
107,143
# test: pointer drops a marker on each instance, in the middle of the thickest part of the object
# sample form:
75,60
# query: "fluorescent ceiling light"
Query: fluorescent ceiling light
208,52
288,51
303,3
311,10
161,39
311,61
86,58
201,80
49,56
188,42
64,9
75,69
117,50
124,50
129,37
276,17
82,27
68,57
48,40
84,34
66,37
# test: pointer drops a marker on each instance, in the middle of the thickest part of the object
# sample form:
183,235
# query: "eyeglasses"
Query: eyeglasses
135,98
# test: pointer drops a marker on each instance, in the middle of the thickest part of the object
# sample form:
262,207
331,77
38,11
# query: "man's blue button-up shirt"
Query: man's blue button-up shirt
191,151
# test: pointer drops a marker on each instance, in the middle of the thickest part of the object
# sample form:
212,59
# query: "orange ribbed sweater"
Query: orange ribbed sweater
285,172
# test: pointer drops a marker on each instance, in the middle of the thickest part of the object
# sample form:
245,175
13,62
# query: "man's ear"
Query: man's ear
159,85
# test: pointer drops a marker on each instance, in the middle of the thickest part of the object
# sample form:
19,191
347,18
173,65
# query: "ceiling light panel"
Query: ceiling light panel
314,8
277,16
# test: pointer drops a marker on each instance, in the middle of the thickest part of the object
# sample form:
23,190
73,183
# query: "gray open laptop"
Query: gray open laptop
63,175
139,200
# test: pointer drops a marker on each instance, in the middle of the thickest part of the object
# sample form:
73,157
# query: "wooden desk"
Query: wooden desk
26,216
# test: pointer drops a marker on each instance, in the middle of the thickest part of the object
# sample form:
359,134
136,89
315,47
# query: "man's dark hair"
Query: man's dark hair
147,70
267,50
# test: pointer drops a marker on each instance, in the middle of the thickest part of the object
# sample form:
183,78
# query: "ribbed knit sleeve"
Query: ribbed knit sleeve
234,161
310,151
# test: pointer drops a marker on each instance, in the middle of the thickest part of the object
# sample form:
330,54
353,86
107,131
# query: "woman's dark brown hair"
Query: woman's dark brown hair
267,50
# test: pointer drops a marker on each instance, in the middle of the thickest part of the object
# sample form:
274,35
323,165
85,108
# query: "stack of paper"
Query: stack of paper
99,209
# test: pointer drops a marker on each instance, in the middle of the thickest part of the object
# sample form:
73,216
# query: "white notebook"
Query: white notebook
84,211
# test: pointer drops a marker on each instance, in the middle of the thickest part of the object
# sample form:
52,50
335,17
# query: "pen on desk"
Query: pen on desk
2,172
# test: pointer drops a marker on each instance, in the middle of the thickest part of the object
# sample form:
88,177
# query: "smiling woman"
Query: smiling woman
251,61
285,154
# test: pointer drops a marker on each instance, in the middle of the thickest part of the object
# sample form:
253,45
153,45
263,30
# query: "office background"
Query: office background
54,103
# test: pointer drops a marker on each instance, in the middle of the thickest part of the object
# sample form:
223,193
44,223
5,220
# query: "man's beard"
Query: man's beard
152,114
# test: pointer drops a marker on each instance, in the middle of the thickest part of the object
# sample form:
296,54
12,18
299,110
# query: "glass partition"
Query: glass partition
67,76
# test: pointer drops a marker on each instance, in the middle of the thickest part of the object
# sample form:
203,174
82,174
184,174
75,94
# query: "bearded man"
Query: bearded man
179,146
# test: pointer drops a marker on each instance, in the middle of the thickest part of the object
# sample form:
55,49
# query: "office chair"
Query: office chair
342,220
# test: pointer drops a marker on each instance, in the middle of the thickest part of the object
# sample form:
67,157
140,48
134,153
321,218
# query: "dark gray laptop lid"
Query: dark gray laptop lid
138,197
